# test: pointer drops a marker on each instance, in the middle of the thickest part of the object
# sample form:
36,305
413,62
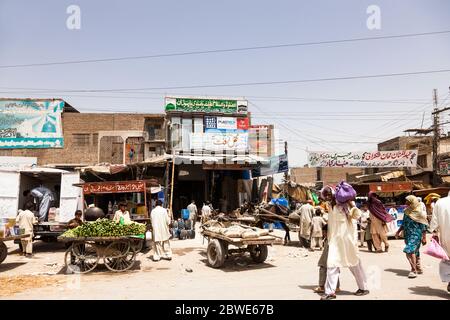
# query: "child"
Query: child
316,230
323,264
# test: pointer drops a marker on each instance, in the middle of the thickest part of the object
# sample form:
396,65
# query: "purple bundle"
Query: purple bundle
344,193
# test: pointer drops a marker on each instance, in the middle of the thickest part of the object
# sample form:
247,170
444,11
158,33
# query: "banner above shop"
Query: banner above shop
376,159
31,124
206,105
114,187
219,140
226,123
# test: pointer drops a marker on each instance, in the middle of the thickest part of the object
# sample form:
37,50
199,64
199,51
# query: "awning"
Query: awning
105,168
380,176
391,187
36,170
443,191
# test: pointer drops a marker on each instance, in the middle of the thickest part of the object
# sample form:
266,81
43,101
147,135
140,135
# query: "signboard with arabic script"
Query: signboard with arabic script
206,105
219,140
28,124
376,159
114,187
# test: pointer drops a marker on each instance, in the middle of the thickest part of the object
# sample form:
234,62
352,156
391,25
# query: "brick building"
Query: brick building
91,138
319,177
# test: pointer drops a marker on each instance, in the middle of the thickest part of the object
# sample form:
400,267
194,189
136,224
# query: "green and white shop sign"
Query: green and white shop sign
206,105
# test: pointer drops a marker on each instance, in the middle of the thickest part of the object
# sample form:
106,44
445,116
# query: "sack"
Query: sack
434,249
249,234
345,192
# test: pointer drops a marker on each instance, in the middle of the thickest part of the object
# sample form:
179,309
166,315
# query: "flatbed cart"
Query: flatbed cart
217,250
118,253
4,249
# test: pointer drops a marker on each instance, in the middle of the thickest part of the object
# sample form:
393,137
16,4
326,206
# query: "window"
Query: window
422,161
81,139
186,130
319,175
198,125
111,150
95,139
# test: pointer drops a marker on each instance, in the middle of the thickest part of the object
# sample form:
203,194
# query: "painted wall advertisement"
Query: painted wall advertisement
205,105
375,159
219,140
31,124
444,168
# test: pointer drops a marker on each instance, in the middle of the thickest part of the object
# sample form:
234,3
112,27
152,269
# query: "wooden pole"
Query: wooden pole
171,186
145,201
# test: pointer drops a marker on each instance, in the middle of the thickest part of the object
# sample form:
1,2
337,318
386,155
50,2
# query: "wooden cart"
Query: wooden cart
118,253
217,250
4,249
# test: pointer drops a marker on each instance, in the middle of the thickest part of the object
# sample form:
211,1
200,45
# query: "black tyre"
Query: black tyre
258,253
3,252
215,253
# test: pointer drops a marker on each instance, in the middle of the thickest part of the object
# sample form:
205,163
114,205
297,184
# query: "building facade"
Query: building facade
92,138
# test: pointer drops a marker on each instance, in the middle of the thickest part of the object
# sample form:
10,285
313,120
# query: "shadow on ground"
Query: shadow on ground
240,264
398,272
9,266
430,292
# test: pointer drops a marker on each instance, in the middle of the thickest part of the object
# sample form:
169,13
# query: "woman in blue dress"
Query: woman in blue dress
414,228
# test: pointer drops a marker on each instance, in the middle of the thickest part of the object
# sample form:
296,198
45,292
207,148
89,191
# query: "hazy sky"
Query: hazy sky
36,32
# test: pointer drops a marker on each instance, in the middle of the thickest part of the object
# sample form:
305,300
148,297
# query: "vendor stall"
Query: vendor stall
106,195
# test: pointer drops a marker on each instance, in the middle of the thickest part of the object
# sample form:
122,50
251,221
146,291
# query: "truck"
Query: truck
16,181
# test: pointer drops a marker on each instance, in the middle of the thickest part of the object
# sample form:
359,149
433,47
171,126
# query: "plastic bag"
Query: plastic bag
345,192
435,250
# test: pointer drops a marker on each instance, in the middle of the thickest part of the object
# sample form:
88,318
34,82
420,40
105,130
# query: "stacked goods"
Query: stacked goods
105,228
239,231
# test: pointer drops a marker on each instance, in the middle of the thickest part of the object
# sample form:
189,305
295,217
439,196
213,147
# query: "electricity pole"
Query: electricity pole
436,136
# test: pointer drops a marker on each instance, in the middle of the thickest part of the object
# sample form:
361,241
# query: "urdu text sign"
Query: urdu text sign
375,159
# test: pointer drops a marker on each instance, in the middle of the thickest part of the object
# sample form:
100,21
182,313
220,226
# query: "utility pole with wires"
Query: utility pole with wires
436,135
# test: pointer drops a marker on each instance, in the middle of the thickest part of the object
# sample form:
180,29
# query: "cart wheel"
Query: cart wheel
137,245
258,252
81,257
215,253
3,251
119,256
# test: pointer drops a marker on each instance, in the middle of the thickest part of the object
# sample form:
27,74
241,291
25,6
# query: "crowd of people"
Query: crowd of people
337,226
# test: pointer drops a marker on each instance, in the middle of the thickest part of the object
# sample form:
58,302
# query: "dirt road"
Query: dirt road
289,273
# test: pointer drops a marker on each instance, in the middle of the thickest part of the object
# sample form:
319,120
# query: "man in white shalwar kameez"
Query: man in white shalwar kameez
161,233
26,219
440,225
306,214
343,249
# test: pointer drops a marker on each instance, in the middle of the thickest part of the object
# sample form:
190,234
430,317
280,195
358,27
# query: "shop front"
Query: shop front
137,194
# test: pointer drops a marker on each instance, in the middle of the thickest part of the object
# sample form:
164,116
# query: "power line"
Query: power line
201,52
383,75
258,98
